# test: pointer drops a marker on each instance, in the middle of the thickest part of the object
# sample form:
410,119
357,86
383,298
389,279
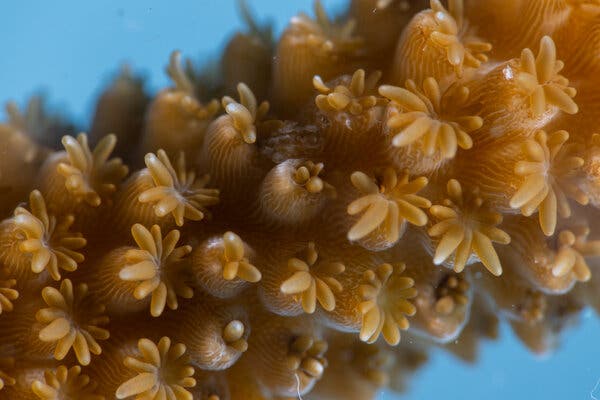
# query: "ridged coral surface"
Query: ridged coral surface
277,230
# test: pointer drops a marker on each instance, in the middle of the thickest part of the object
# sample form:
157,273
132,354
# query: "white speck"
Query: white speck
298,386
508,73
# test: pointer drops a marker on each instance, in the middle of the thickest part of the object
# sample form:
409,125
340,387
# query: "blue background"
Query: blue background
69,49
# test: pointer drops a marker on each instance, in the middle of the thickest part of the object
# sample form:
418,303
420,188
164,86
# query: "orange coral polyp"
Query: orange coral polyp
549,171
71,322
157,268
387,202
425,116
66,384
176,190
310,283
48,241
540,79
89,176
324,210
467,227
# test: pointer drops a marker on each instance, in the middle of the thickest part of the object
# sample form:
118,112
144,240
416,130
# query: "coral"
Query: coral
91,176
311,283
422,116
236,265
377,175
307,175
460,53
120,110
6,364
229,152
352,98
216,336
177,191
163,371
445,40
589,179
71,323
466,227
294,191
38,122
308,47
47,242
247,56
388,202
548,171
176,119
222,266
157,268
385,294
539,78
65,384
7,295
572,250
451,294
306,355
19,167
245,113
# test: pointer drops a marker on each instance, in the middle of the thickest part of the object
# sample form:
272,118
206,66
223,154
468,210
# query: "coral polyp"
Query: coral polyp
70,321
156,267
548,171
63,383
389,201
540,79
311,283
466,228
409,169
385,294
419,115
163,372
176,191
42,241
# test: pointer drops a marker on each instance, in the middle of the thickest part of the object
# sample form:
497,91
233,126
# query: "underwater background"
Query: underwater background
69,50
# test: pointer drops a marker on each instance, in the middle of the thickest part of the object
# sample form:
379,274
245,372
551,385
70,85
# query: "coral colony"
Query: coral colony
268,231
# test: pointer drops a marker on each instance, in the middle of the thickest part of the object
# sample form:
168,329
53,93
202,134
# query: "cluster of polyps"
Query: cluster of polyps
341,197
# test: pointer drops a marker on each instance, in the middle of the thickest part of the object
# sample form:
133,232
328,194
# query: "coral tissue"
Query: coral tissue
278,229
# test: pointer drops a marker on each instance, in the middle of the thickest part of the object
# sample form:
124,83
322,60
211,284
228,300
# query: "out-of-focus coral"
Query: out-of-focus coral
407,166
66,384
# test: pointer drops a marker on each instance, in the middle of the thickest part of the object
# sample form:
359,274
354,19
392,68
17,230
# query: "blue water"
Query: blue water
506,370
70,49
